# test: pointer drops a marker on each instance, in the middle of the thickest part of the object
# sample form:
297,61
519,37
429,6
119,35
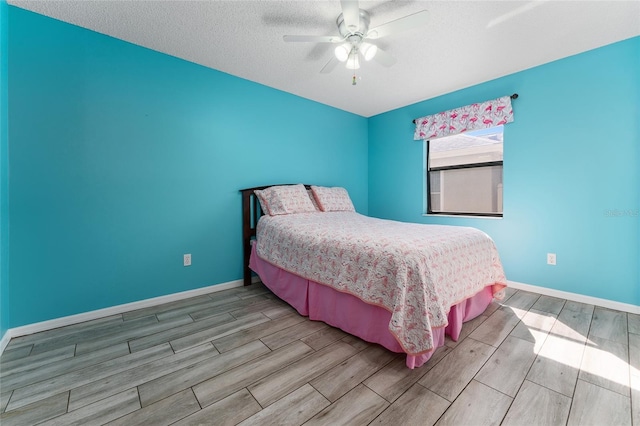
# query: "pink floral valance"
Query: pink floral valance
471,117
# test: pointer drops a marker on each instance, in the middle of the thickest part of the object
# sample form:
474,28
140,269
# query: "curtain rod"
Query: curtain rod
514,96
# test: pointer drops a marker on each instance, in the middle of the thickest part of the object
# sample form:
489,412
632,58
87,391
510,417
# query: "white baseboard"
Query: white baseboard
5,340
575,297
113,310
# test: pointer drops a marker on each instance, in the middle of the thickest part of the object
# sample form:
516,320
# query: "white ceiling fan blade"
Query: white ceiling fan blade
384,58
401,24
311,39
351,14
329,66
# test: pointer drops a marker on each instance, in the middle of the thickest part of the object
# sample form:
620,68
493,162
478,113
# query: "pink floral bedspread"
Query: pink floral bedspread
415,271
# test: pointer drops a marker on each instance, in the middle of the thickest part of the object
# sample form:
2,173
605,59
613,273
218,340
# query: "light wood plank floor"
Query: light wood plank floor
242,356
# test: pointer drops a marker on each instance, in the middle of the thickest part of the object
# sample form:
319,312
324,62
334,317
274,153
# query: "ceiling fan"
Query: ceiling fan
354,37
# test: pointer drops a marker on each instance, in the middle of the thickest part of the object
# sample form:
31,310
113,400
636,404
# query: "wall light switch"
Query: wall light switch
187,259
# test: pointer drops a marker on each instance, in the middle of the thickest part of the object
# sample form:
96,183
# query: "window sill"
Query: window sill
462,216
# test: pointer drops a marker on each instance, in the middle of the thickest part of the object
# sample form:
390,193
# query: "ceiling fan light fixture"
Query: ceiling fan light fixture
353,63
368,51
342,52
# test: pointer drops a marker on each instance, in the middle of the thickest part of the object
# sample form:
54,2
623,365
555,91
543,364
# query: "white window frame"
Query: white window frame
492,161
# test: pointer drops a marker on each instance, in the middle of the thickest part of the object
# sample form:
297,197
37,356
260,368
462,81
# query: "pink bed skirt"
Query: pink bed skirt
350,314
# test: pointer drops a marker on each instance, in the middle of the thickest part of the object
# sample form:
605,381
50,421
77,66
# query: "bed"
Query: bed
401,285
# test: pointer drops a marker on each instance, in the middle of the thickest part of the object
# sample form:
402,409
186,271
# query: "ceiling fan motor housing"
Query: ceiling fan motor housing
354,34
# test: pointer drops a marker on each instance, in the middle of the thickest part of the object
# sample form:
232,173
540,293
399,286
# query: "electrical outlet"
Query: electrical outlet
551,258
187,259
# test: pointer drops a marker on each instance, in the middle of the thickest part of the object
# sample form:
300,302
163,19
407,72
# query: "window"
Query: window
464,173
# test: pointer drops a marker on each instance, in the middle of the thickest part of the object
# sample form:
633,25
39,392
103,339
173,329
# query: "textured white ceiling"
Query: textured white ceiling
464,42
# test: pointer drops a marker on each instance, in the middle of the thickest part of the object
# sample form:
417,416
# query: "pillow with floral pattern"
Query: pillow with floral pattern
334,199
285,199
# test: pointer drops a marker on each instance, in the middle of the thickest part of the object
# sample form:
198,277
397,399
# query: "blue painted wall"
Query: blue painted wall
4,172
123,159
571,171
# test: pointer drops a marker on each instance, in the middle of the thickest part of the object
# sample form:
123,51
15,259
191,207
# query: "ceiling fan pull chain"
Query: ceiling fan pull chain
355,58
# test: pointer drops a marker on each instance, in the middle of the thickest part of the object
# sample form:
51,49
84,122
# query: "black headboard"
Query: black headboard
251,213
